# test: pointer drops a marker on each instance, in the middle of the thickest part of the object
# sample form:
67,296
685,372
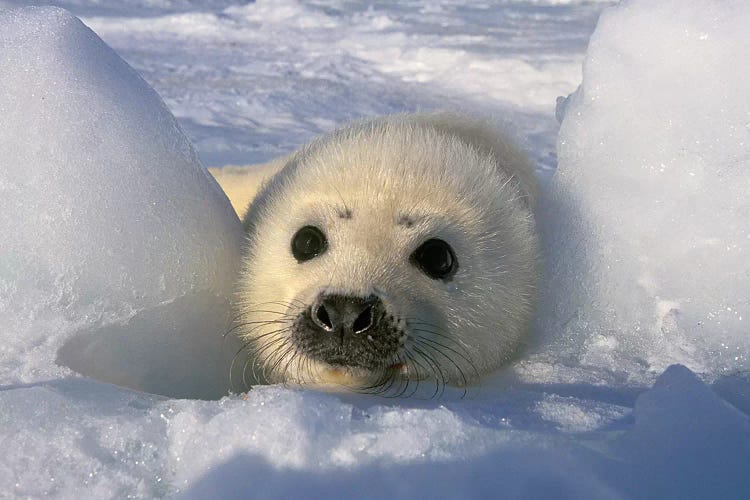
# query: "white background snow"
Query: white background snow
117,249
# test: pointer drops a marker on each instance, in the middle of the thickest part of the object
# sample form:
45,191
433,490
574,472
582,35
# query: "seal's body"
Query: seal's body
394,250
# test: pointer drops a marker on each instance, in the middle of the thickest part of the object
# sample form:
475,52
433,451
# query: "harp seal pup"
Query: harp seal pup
392,251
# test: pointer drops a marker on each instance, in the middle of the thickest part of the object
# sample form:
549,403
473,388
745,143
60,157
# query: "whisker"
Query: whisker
404,380
464,351
231,366
413,361
280,358
257,324
257,358
436,370
460,371
244,371
294,356
437,344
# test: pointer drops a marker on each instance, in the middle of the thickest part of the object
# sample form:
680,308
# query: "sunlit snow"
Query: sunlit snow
119,249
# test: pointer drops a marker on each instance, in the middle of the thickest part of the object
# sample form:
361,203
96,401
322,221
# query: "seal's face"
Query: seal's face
383,257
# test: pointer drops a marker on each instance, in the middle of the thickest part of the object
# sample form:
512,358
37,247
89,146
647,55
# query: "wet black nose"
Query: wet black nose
346,314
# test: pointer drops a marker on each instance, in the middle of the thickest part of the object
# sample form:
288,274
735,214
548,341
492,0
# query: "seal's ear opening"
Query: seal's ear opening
242,183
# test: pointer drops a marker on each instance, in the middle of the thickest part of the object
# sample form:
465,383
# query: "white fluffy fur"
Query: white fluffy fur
455,179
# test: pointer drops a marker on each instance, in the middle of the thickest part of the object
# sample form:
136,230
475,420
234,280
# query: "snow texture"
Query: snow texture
119,249
648,237
123,248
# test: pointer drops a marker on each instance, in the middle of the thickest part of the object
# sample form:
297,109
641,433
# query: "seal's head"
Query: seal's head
391,251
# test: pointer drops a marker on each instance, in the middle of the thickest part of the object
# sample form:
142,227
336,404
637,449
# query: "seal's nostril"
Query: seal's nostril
363,321
323,319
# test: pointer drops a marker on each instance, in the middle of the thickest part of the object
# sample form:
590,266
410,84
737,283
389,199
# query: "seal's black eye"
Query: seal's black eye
436,258
308,242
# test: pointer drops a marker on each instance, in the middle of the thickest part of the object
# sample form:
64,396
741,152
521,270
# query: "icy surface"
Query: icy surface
590,411
107,218
650,235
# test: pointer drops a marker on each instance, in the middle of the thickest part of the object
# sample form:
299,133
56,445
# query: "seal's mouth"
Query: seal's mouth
398,367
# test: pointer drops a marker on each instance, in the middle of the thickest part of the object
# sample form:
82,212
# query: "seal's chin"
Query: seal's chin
342,376
333,377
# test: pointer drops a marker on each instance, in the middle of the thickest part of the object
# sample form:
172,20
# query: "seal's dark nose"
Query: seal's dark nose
347,315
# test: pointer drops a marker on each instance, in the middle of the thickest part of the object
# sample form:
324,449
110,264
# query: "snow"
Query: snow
77,437
649,240
252,81
123,248
591,410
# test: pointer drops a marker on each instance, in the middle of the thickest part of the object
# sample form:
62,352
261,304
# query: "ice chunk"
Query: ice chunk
647,232
107,218
686,443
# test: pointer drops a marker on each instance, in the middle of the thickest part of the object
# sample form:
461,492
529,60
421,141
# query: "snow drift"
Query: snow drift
108,218
648,233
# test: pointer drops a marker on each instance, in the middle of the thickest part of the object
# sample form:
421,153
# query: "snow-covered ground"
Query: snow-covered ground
645,238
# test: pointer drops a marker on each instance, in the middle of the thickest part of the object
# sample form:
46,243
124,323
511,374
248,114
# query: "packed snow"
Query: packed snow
649,239
123,248
119,248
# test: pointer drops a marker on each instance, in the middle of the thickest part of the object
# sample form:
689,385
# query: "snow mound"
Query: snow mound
109,220
647,227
